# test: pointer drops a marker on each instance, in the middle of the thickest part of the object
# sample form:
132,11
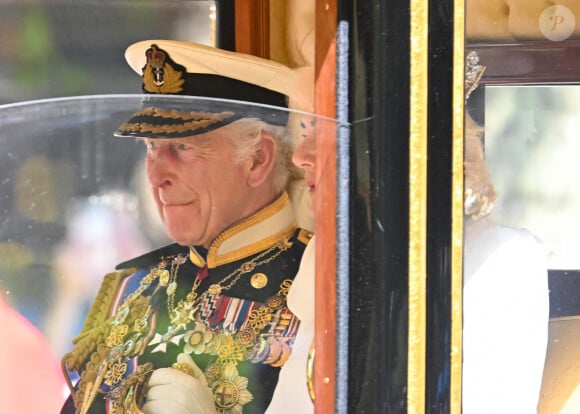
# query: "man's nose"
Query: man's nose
161,165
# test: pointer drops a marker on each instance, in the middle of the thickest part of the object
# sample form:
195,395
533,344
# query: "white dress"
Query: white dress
505,319
291,394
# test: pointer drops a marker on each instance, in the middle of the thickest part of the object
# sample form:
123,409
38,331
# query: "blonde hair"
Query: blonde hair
246,136
479,194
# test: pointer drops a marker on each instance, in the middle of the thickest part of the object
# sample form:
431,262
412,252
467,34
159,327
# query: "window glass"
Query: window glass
63,48
531,146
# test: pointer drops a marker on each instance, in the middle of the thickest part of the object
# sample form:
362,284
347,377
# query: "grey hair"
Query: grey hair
479,194
245,138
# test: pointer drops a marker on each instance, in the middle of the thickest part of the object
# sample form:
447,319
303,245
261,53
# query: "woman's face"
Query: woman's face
305,157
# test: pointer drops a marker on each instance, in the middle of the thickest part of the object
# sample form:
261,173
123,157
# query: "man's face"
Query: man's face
199,191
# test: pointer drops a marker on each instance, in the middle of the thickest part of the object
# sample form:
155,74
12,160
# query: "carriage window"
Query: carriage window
76,181
522,253
68,47
64,192
531,147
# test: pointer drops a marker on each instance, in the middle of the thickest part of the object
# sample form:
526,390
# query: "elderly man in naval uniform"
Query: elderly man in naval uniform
201,325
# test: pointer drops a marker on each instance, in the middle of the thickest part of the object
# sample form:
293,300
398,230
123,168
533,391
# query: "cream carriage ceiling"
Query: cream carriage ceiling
507,21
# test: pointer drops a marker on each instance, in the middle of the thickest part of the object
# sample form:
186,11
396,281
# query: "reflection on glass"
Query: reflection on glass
531,141
76,201
65,180
531,149
505,299
75,47
529,146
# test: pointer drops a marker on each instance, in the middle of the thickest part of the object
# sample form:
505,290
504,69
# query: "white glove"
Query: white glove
173,391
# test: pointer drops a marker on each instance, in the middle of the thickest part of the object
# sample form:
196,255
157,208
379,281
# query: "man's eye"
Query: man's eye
152,147
181,146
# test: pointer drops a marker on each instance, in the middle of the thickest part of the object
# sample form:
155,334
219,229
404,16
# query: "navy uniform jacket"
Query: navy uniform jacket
224,306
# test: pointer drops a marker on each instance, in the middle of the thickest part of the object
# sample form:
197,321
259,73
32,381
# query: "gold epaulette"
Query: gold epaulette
95,329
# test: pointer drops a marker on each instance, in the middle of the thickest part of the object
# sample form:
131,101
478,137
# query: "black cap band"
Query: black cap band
163,76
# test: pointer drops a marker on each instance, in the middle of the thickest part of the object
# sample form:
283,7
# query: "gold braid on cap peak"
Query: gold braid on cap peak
185,116
473,73
195,121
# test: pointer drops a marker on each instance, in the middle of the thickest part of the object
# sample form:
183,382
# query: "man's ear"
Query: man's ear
263,161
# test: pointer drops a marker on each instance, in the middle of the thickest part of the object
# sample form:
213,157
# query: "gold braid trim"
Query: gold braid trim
192,121
304,236
95,330
133,390
93,345
96,344
168,128
185,116
89,375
